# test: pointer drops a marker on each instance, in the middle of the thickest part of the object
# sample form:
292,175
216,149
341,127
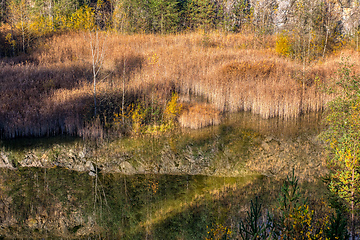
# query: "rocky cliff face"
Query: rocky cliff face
282,13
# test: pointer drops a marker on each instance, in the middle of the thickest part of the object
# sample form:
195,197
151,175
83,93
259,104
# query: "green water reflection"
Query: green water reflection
61,203
58,203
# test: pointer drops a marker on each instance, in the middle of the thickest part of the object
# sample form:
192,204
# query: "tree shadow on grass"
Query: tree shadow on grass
42,101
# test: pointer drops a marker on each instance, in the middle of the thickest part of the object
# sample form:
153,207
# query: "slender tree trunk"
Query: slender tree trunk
12,39
357,41
94,91
51,14
309,45
97,54
95,190
326,40
123,92
94,53
23,35
162,23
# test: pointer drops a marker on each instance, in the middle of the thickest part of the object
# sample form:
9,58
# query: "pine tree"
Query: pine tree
164,15
201,14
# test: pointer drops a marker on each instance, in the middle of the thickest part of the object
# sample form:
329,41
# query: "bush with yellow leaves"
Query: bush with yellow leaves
172,110
283,45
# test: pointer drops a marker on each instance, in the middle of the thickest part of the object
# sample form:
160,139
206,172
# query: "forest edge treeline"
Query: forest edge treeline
305,29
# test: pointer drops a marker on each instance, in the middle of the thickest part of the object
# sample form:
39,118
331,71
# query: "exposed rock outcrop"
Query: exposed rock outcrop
5,162
270,156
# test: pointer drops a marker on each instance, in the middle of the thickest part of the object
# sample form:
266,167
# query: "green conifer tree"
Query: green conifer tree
163,15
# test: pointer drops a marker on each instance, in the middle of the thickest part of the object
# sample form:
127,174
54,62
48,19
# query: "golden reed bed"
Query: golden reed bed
50,91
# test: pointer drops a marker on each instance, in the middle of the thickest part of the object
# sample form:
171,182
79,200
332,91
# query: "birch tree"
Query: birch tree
19,18
97,44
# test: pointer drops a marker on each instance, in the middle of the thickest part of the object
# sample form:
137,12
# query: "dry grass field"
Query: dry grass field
50,90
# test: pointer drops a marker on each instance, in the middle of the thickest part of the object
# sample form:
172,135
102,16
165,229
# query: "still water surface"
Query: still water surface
59,203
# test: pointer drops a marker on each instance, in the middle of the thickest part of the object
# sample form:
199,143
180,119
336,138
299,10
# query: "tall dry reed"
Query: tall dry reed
50,91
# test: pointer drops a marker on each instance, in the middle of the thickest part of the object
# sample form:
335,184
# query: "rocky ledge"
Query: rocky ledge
270,156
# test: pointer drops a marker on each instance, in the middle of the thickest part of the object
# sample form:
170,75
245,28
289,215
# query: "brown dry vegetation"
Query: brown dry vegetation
50,91
196,116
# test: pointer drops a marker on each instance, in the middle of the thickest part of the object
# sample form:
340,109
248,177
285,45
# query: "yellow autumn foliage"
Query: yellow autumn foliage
82,19
283,45
173,109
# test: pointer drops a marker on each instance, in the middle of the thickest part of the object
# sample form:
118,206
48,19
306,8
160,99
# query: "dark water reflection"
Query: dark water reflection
305,124
23,144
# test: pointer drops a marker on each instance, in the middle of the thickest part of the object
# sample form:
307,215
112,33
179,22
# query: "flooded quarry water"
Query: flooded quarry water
188,184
